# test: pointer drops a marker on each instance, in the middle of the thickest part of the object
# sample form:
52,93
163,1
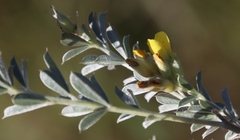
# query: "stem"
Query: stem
145,113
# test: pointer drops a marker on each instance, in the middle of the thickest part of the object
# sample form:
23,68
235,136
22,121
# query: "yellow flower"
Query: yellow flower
160,45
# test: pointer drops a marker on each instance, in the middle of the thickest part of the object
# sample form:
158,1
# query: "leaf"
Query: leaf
200,86
127,97
69,39
50,81
114,39
109,60
195,127
3,72
166,98
87,32
26,99
75,111
167,107
91,119
231,135
74,52
25,72
129,80
64,22
99,89
102,27
91,68
124,117
126,46
149,121
55,71
209,131
187,100
227,101
149,95
18,109
17,72
93,24
84,87
134,88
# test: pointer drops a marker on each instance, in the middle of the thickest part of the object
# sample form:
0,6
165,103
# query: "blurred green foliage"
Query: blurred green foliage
204,34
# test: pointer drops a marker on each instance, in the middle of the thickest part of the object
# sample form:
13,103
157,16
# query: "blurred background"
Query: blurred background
205,35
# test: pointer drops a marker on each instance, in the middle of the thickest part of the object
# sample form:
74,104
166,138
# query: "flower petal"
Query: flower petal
163,39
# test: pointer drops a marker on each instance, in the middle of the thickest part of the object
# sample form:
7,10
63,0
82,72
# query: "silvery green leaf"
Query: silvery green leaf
91,68
18,72
93,24
209,131
186,85
75,111
27,99
100,91
25,72
129,80
149,95
50,81
167,107
4,85
64,22
231,135
102,28
187,100
126,46
69,39
84,87
198,108
18,109
114,39
4,73
89,59
139,77
109,60
229,105
91,119
124,117
149,121
195,127
55,71
87,32
134,88
127,97
166,98
74,52
200,86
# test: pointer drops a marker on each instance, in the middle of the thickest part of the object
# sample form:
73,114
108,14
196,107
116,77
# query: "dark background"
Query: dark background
204,34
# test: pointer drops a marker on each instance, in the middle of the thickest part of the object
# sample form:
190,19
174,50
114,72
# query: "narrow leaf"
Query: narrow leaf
74,52
167,107
93,24
99,89
91,68
227,100
149,121
87,32
109,60
200,86
54,69
134,88
91,119
27,99
25,72
124,117
209,131
150,95
3,72
50,81
129,80
114,39
69,39
187,100
126,46
195,127
18,109
75,111
84,87
166,98
102,26
127,97
17,72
